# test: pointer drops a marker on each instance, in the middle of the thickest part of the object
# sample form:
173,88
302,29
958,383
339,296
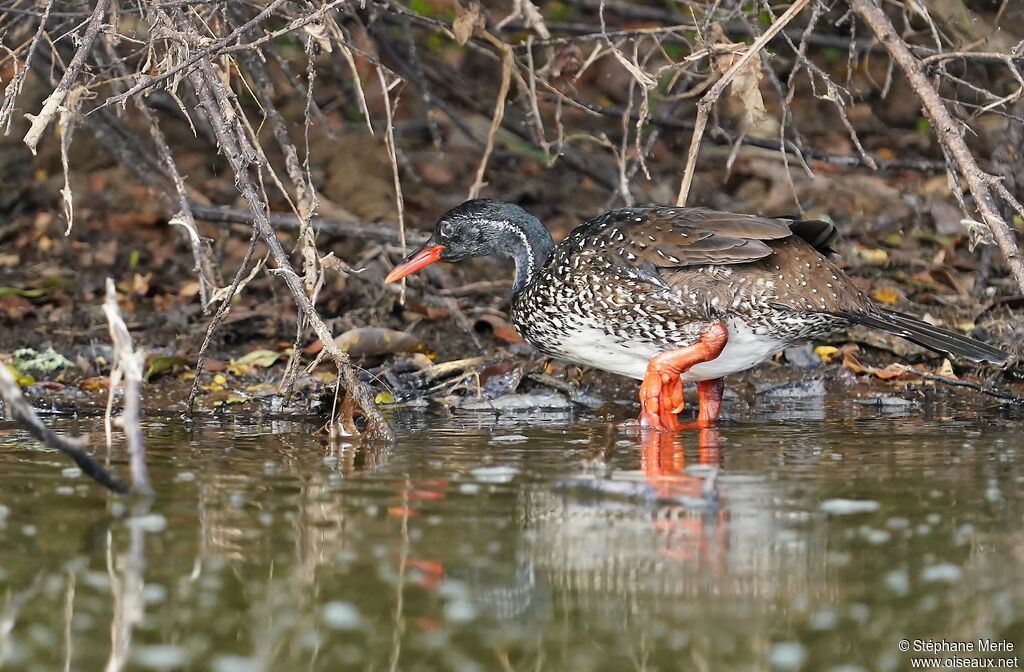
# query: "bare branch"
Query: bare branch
715,92
54,101
948,131
206,84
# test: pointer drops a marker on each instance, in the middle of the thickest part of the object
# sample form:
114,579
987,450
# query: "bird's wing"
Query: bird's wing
664,237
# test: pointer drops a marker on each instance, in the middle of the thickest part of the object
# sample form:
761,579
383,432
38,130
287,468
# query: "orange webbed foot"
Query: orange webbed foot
661,392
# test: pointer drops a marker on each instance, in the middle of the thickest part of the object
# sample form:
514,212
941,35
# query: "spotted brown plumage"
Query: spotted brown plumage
671,295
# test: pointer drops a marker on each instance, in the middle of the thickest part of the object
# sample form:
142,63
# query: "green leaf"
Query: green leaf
158,364
18,291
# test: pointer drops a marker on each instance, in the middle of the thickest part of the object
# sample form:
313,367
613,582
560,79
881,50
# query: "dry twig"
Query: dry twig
948,131
715,92
56,98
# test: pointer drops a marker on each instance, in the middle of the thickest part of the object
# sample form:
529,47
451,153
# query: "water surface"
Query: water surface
538,543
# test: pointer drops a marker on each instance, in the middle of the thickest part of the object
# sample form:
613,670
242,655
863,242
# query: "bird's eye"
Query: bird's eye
446,229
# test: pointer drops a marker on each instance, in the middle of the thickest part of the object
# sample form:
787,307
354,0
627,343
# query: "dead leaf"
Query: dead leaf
157,364
371,341
871,255
467,19
825,352
501,328
887,295
14,308
745,92
93,384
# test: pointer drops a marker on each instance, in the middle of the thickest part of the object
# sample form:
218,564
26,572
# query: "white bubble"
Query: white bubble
945,572
787,655
341,616
498,474
161,657
846,507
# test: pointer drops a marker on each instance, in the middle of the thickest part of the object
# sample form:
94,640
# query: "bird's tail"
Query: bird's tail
934,338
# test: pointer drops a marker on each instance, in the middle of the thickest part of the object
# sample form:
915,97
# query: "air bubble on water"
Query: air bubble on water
897,581
787,655
161,657
341,616
944,572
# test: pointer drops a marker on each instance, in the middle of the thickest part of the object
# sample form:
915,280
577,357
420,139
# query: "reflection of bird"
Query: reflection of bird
671,295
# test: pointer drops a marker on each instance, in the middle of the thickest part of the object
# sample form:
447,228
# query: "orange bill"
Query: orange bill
415,261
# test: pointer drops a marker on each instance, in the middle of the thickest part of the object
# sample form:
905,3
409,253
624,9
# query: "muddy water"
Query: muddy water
523,544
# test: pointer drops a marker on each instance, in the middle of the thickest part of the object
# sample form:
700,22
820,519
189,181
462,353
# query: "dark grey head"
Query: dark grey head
484,227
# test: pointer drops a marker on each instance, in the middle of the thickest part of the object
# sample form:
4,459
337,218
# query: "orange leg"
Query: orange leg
661,392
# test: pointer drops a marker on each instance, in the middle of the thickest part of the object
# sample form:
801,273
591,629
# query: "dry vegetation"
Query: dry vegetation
262,133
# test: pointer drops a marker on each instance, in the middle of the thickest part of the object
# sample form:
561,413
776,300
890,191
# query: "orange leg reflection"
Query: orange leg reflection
689,533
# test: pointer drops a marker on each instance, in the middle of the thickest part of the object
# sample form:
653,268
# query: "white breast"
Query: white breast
591,346
744,350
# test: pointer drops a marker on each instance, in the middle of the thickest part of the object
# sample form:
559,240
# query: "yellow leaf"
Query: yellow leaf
219,379
22,379
261,358
384,397
825,352
886,295
871,255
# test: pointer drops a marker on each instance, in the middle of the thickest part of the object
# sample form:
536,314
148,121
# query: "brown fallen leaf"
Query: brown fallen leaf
890,372
467,20
500,327
371,341
14,308
93,384
745,89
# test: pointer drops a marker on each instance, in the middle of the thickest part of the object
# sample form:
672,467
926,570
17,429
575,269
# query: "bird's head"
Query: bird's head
476,228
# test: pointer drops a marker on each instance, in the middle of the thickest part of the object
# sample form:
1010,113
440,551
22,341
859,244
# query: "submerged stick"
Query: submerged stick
127,364
20,411
957,382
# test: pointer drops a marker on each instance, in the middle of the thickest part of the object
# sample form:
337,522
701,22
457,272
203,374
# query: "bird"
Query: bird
671,295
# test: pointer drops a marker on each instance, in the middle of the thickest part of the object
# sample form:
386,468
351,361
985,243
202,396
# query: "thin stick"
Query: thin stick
13,89
53,102
203,80
381,232
128,362
499,112
956,382
147,82
218,317
19,410
715,92
947,130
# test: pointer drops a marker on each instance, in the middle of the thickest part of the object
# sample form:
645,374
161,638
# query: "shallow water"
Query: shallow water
527,544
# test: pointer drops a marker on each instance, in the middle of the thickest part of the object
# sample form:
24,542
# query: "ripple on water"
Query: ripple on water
341,616
849,507
161,657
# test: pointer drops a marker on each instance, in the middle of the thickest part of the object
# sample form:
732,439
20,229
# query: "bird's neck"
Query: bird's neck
528,243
